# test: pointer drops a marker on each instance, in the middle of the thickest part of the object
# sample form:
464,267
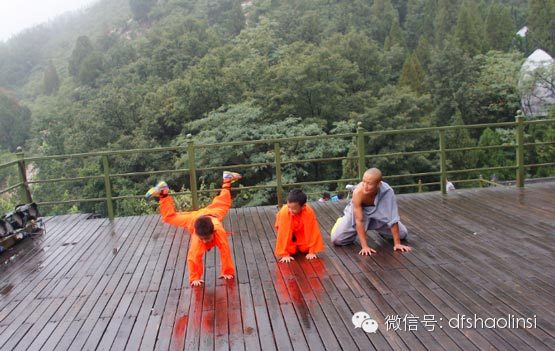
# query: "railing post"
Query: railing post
361,148
108,187
419,185
279,186
27,198
520,149
192,170
442,161
481,181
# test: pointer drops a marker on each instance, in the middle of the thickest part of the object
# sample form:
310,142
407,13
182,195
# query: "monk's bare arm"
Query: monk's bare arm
359,223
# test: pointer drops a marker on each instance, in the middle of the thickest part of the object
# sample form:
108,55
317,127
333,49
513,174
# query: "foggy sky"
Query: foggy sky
17,15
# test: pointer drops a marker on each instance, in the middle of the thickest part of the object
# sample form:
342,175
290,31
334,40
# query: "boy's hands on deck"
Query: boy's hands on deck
402,248
367,251
226,276
310,256
286,259
197,282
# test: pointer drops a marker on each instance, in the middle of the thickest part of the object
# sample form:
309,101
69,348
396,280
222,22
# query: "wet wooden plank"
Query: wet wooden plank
124,284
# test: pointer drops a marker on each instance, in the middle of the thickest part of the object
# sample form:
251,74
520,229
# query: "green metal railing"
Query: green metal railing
360,138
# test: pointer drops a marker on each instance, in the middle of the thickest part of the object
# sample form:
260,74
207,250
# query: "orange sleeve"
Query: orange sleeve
283,227
180,219
225,252
312,231
194,259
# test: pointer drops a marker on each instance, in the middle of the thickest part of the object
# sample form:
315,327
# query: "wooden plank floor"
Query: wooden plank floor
94,284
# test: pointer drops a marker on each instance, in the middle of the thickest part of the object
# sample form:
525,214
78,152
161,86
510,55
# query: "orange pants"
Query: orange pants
218,208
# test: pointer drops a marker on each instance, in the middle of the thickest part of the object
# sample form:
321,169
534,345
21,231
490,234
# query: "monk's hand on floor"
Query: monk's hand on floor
197,282
226,276
310,256
367,251
402,248
286,259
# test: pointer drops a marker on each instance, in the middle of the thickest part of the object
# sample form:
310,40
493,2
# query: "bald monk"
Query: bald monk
297,229
205,226
372,207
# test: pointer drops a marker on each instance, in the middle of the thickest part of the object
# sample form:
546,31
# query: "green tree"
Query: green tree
171,50
496,157
395,37
541,24
412,74
460,138
494,96
141,8
310,29
83,48
365,54
236,18
419,21
211,130
467,32
452,73
541,153
424,52
382,16
500,27
310,82
400,108
51,81
445,20
227,15
15,123
90,69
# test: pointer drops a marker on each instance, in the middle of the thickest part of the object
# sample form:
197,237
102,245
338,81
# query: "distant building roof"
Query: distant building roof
537,95
539,58
522,32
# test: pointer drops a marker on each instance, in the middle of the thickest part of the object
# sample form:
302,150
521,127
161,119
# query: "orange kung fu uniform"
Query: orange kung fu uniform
297,233
217,211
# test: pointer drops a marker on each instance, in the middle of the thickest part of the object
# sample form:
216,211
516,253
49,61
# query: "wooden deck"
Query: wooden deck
90,284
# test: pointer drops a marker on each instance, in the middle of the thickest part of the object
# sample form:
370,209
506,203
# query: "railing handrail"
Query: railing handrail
278,140
360,136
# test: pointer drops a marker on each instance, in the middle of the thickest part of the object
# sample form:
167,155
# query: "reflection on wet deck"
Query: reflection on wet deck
93,284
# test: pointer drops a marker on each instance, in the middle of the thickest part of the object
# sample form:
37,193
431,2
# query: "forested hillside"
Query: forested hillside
131,74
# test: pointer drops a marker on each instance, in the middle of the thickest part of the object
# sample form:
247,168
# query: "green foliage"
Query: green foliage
541,24
452,72
51,82
395,36
90,69
445,20
141,8
541,153
460,138
419,22
400,108
8,177
494,96
413,75
310,82
211,130
83,49
500,28
15,123
383,16
497,157
365,54
279,68
423,52
468,31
